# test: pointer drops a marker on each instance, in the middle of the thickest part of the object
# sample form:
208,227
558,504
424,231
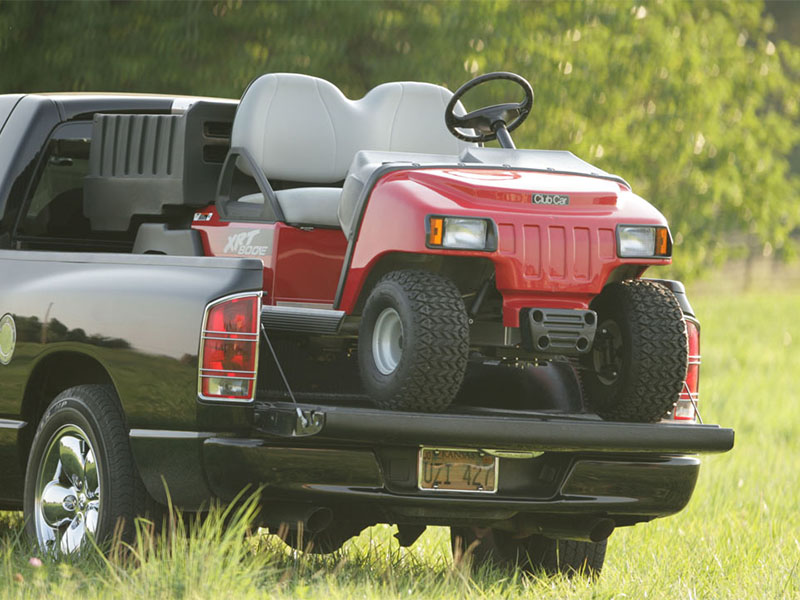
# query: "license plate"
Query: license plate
456,469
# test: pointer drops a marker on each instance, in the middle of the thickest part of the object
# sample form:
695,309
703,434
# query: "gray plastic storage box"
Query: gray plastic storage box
155,168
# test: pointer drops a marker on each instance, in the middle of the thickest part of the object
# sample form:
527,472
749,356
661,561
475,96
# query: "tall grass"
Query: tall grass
739,537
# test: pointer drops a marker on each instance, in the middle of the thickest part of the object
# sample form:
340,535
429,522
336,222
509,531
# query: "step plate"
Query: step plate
302,320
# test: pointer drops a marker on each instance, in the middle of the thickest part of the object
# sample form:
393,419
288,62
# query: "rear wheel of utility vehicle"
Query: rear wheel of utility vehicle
637,364
484,546
81,482
413,342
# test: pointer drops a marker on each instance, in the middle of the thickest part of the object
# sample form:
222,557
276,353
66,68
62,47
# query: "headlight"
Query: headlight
460,233
642,241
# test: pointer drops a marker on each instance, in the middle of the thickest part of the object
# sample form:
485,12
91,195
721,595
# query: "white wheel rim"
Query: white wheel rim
67,500
387,341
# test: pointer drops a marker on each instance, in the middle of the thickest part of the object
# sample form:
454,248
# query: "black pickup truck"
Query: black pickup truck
104,413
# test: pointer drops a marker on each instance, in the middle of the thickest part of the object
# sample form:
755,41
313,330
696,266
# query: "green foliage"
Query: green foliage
694,103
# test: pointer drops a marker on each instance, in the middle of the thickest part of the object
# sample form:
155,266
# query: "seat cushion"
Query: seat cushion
315,206
156,238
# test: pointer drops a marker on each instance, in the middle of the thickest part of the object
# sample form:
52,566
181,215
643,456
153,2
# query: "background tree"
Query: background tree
696,104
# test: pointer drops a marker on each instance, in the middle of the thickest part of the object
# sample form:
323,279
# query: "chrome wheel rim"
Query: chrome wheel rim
67,501
387,341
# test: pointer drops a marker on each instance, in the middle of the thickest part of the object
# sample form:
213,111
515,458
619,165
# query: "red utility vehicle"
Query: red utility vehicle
430,256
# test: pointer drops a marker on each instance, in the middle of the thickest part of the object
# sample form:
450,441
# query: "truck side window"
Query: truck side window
53,217
56,206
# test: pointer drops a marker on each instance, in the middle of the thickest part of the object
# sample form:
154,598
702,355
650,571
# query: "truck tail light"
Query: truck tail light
686,406
229,348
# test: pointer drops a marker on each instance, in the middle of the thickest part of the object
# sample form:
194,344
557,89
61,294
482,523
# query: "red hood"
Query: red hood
537,193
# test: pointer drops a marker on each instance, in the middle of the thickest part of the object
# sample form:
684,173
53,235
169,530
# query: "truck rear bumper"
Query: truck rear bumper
381,487
364,461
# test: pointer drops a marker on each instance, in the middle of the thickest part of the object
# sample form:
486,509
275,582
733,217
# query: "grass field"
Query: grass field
739,537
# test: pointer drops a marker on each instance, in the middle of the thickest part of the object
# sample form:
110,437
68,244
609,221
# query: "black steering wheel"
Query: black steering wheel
486,121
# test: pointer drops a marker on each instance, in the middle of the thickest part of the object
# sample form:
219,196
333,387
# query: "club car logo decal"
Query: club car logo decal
550,199
8,338
256,242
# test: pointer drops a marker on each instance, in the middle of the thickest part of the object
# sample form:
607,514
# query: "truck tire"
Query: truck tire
413,342
533,554
81,481
638,361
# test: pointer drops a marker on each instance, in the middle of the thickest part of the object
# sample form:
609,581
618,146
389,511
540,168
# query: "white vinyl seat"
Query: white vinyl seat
306,205
302,128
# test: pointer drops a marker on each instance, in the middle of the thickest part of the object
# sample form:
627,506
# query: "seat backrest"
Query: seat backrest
302,128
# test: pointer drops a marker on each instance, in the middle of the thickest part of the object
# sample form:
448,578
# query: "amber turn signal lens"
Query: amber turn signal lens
436,231
662,242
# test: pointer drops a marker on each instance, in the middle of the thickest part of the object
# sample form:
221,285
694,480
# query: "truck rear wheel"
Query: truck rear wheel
81,482
413,342
637,364
532,554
